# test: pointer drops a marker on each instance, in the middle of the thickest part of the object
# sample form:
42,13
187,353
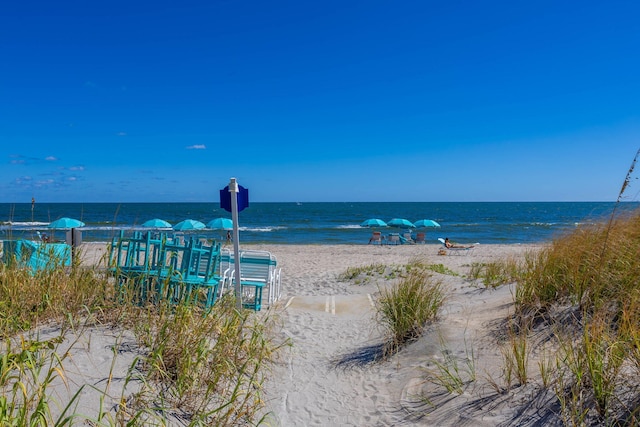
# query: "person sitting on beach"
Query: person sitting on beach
450,245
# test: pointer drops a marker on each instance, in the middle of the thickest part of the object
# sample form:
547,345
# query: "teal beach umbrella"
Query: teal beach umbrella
220,224
156,223
425,223
189,224
373,222
66,223
401,223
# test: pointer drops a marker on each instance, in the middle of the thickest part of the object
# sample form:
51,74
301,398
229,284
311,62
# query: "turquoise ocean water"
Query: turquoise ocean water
320,223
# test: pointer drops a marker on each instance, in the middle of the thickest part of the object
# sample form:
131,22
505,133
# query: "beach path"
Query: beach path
327,377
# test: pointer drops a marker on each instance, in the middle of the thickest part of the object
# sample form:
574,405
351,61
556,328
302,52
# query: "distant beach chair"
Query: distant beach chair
393,239
376,238
407,238
420,238
457,250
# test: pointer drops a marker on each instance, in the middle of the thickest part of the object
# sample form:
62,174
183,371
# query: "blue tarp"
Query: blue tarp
36,256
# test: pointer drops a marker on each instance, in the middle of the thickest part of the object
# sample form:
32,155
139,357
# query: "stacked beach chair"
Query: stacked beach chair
260,277
156,267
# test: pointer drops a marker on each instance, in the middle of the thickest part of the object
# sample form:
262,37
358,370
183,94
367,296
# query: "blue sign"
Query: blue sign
242,197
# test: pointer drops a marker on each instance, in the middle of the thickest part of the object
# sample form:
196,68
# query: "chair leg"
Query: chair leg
212,291
256,304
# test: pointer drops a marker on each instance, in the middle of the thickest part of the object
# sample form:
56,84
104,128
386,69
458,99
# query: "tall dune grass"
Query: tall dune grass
594,272
603,286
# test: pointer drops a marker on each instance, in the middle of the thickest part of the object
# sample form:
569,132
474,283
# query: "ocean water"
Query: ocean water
320,223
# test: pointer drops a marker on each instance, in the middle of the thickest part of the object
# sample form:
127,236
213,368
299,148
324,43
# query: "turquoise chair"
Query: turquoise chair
188,272
36,256
132,261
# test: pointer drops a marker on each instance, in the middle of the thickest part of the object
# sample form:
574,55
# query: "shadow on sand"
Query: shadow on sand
361,357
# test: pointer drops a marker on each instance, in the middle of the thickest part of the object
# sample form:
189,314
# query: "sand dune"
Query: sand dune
327,377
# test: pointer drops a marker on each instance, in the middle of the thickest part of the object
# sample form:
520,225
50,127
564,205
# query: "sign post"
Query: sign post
233,189
235,198
74,239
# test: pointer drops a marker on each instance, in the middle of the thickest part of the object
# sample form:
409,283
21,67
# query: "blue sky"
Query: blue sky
318,101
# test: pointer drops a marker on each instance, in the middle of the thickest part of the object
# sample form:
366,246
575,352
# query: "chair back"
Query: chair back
256,265
376,237
258,270
138,253
206,262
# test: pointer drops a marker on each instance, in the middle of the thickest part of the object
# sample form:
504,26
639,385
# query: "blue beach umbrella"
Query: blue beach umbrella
66,223
400,223
188,224
156,223
220,224
425,223
373,222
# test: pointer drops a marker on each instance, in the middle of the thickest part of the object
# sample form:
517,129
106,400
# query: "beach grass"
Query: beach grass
208,368
494,274
577,313
583,289
404,309
451,373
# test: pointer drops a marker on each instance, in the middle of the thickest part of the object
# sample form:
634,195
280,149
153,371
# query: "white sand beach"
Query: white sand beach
326,377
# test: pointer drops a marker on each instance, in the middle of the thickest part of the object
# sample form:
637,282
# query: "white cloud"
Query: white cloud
44,183
51,158
76,168
23,180
121,134
197,147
